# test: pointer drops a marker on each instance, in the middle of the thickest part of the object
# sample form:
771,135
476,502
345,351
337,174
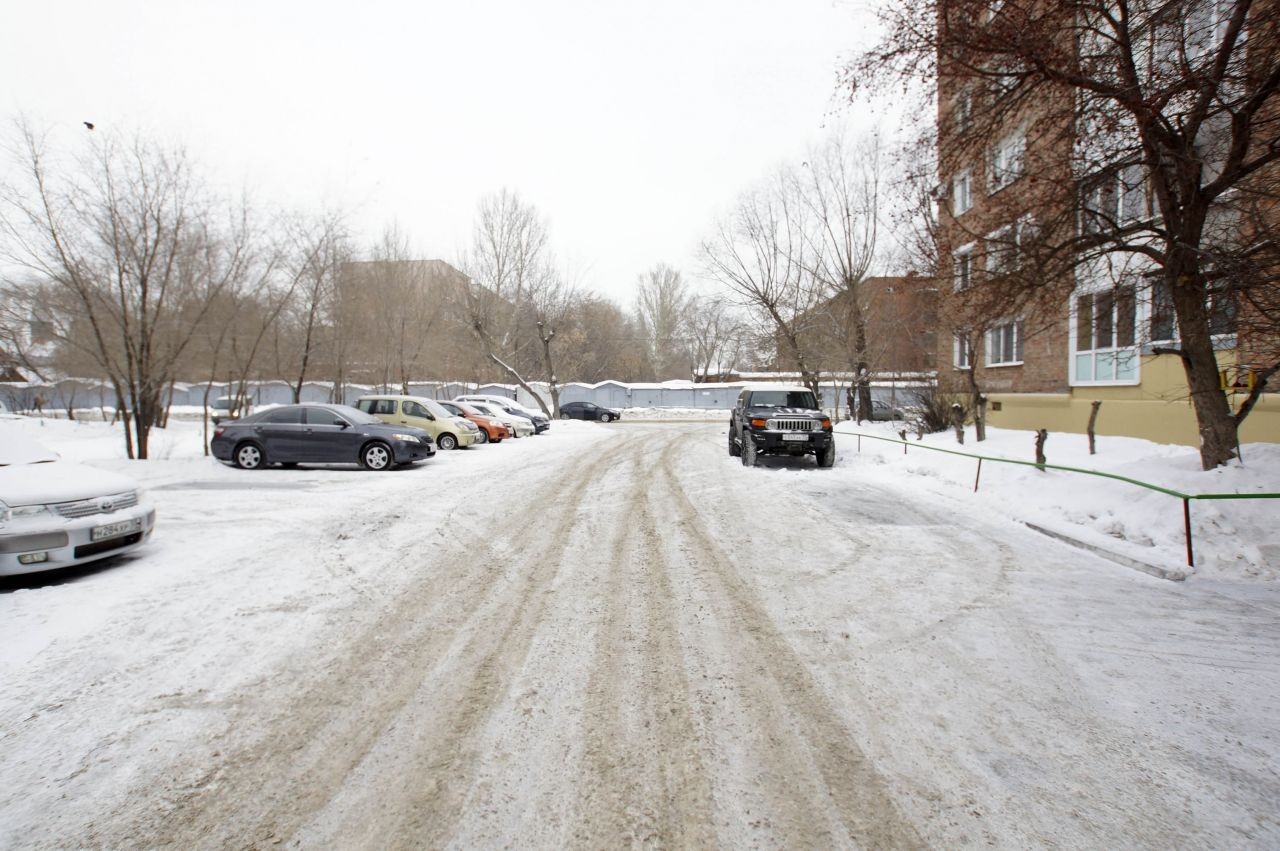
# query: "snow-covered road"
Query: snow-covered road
618,636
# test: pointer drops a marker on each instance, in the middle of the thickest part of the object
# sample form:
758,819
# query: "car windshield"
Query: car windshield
467,409
436,408
783,399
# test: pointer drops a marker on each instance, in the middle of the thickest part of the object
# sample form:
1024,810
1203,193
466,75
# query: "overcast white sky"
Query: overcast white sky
628,124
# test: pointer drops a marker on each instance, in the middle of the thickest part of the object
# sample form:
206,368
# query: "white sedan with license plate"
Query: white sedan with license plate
55,514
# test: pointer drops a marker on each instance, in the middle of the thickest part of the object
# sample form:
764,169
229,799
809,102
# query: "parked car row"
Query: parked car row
379,432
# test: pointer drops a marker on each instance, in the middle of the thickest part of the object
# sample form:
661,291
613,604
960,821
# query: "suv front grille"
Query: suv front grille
98,505
793,425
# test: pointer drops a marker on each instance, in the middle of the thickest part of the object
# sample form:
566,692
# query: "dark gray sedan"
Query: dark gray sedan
318,434
588,411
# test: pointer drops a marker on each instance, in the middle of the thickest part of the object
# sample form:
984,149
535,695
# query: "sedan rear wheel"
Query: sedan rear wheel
249,457
376,456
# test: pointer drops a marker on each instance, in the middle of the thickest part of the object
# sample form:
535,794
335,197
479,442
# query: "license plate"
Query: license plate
796,436
115,530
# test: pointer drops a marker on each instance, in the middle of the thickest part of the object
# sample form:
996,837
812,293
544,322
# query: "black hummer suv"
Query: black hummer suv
780,421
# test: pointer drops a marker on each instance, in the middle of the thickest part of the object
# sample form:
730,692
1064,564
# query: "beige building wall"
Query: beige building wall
1157,409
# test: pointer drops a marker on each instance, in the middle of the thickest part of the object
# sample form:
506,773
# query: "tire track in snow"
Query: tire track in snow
274,772
815,774
644,777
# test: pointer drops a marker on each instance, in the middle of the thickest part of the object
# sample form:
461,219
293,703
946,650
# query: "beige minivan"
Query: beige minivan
448,431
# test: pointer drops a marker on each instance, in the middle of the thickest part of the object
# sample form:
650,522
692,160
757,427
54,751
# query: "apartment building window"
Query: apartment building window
1002,250
1004,344
1223,311
962,111
961,355
962,192
1105,345
1116,198
1008,160
963,267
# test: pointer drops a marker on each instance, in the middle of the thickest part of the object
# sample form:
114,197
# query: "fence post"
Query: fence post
859,443
1186,524
978,476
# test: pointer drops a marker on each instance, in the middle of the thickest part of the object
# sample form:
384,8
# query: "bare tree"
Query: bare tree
662,306
840,188
127,243
716,336
316,251
1169,113
553,306
760,253
506,269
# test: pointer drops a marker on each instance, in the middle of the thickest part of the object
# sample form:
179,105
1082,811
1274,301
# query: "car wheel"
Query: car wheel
748,452
447,441
734,450
827,457
565,416
376,456
604,418
482,436
249,456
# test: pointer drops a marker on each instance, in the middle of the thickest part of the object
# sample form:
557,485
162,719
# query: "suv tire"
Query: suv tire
735,451
748,452
827,457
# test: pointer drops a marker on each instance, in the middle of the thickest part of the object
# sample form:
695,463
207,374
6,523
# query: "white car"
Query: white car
55,514
520,427
540,420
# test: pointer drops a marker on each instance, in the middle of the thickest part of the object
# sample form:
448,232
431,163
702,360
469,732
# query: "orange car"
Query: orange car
491,431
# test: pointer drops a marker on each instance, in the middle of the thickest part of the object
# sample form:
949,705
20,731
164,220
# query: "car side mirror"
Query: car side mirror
341,423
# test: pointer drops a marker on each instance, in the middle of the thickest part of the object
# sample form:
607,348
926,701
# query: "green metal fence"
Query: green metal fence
1185,497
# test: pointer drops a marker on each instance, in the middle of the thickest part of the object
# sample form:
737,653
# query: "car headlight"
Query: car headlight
407,438
20,512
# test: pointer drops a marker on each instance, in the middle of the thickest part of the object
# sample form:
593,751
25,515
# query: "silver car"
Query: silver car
55,514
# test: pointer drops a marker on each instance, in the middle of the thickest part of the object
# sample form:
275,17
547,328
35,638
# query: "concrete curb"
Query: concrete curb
1173,575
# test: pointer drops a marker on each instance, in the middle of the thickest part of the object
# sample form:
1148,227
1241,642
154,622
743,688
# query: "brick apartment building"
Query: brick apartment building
1010,172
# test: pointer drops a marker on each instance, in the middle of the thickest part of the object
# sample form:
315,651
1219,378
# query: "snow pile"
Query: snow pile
709,414
1232,538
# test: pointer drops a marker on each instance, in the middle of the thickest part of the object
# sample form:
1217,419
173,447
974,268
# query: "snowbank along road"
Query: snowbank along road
617,637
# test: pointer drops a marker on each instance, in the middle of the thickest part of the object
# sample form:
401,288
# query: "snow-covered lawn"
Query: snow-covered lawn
1233,539
617,634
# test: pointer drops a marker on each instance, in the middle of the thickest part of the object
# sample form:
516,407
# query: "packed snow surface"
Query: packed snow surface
617,635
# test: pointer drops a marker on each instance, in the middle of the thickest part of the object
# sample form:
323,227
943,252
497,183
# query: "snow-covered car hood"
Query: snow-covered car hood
58,481
757,410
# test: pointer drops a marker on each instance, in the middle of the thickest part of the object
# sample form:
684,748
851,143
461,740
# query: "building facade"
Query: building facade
1029,319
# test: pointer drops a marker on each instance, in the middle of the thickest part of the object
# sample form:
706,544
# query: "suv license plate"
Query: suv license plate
115,530
796,436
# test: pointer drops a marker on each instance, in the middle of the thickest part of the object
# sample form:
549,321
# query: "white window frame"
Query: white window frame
962,110
963,254
1113,354
962,201
961,357
995,338
1008,161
